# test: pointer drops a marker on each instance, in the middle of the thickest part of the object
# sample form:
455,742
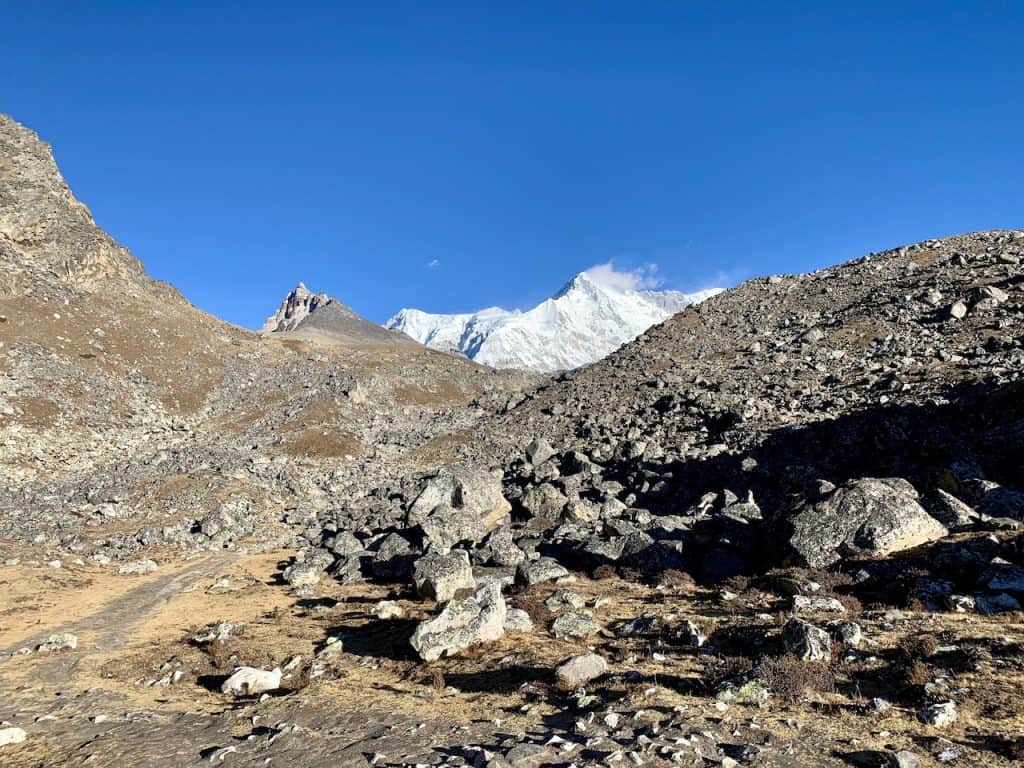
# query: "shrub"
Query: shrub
916,647
789,679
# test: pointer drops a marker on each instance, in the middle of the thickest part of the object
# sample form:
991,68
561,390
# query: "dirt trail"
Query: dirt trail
109,627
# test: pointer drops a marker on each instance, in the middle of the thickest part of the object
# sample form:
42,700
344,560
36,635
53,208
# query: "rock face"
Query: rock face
583,322
870,517
42,223
461,624
295,308
317,316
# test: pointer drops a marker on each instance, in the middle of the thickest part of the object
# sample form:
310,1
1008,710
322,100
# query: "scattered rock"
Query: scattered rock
580,670
250,681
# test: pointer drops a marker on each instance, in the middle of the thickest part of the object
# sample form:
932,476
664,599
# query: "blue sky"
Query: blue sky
239,148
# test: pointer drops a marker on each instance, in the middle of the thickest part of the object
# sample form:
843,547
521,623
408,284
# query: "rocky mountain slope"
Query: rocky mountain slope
583,322
781,528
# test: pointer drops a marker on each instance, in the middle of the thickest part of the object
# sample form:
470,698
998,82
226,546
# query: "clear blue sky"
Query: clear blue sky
238,148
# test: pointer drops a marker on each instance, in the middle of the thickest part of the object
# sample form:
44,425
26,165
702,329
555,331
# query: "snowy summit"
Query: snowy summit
594,314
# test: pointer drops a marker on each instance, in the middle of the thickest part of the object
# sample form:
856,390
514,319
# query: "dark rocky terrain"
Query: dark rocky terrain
780,529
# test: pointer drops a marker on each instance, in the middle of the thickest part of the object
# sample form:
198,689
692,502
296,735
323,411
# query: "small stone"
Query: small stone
905,759
938,715
62,641
958,311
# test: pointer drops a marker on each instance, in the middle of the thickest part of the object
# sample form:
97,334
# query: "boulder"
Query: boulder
250,681
440,577
444,527
539,451
939,715
804,604
806,641
538,571
304,574
472,489
580,670
950,511
463,623
867,517
518,620
393,559
544,501
574,624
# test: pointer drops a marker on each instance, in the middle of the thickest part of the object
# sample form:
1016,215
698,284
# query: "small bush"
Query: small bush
719,669
916,647
916,674
789,679
675,578
534,606
603,572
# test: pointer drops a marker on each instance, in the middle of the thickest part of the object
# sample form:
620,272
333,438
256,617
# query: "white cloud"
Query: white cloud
643,278
433,264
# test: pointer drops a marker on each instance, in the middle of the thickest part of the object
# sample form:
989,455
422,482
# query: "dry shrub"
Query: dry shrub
916,647
534,606
718,669
298,681
437,680
603,572
220,653
738,584
790,679
852,605
676,578
916,673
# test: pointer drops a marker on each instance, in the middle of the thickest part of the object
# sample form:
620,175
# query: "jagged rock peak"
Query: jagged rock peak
295,308
44,229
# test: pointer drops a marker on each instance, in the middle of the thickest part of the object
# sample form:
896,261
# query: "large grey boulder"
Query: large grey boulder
441,577
472,490
444,527
870,517
544,501
540,570
463,623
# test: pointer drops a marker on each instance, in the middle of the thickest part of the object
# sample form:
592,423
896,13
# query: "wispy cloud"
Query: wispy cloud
433,264
643,278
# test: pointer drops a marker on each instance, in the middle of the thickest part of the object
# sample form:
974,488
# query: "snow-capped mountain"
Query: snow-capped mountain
583,322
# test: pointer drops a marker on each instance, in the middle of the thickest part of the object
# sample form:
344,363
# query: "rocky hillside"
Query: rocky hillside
122,405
